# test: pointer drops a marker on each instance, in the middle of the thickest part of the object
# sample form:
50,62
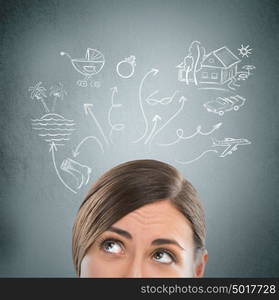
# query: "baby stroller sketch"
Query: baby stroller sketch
90,66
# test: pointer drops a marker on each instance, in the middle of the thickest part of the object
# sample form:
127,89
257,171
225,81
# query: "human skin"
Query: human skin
155,240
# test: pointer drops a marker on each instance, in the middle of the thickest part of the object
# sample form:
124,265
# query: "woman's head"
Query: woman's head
140,219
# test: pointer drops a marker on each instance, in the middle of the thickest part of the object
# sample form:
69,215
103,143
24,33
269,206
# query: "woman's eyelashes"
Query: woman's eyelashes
111,246
164,256
114,246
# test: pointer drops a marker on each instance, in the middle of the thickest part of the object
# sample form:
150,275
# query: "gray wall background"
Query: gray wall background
239,192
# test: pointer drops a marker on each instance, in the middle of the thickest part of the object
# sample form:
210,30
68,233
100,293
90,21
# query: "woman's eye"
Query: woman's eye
112,247
163,257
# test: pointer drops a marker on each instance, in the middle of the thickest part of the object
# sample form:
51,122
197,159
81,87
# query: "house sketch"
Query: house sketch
217,67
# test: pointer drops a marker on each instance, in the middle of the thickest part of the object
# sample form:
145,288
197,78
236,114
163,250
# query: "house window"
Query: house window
204,75
214,75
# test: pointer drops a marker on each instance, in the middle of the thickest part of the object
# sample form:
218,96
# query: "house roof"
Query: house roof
224,56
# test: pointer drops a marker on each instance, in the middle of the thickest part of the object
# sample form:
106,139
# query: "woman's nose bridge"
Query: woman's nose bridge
135,267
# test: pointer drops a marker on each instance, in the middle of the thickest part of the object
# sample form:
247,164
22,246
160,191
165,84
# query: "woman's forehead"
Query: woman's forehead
159,218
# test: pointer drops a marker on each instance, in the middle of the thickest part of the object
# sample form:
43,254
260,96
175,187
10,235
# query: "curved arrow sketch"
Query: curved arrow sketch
195,159
182,100
76,150
87,109
155,121
53,149
116,127
180,134
153,72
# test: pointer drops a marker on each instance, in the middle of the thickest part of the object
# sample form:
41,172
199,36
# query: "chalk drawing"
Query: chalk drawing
191,64
89,111
76,151
121,66
182,100
54,127
155,120
195,159
231,145
152,72
89,66
80,172
180,134
218,69
245,51
114,127
58,92
52,150
164,101
38,92
224,104
249,68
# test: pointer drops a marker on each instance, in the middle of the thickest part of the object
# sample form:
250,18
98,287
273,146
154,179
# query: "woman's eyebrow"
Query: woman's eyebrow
158,242
122,232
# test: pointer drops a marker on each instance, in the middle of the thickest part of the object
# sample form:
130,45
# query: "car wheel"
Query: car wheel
236,107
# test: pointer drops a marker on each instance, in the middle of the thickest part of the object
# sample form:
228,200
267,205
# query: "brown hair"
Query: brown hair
126,188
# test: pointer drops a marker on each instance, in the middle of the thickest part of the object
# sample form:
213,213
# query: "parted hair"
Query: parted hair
127,187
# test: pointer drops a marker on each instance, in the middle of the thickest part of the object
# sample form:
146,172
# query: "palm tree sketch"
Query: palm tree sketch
58,92
38,92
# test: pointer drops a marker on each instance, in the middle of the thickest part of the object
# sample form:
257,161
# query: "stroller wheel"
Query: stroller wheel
95,84
82,83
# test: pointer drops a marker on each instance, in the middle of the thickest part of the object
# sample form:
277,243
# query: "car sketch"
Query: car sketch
221,105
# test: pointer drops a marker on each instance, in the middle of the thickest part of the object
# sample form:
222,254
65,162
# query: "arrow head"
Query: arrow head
86,107
156,118
182,99
154,71
114,89
217,125
75,153
53,147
